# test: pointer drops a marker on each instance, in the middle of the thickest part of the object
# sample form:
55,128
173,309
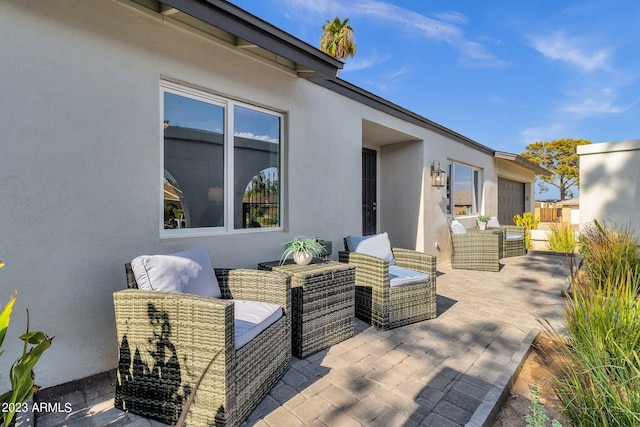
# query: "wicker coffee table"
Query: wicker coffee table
323,303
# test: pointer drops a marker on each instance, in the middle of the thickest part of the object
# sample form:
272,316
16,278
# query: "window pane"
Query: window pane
449,180
477,191
193,163
256,168
462,190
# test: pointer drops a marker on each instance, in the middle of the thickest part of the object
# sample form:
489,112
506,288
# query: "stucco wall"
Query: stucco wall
610,183
80,167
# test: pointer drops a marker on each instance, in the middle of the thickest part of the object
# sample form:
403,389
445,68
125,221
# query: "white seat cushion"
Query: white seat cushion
399,276
514,236
457,227
378,246
188,272
253,317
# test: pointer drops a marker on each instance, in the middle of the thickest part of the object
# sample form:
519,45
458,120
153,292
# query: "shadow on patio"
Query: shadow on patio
435,372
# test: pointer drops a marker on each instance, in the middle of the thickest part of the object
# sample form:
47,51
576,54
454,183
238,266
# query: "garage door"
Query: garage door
510,200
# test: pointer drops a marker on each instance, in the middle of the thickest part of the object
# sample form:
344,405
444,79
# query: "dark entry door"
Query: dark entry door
510,200
369,201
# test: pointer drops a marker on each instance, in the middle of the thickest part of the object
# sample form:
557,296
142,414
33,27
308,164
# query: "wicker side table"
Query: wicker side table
323,304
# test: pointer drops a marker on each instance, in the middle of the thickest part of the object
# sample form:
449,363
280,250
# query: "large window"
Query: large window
221,163
464,188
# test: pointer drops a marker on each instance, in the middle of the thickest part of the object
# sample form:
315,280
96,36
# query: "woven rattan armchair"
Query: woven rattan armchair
513,241
167,340
387,307
476,250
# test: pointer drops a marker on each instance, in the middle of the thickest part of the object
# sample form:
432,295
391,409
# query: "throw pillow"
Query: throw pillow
353,241
187,271
457,227
493,223
378,246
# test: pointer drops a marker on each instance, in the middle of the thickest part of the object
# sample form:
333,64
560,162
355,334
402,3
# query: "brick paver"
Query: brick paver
433,373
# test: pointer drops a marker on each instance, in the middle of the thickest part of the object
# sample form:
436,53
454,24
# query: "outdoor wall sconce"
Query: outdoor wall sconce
438,176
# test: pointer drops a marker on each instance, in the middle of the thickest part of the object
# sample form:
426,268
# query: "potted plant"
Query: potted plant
303,250
21,374
482,221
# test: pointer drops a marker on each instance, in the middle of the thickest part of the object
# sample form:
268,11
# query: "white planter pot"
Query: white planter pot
302,258
482,225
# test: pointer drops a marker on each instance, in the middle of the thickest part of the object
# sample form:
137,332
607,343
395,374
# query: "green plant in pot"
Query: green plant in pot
482,221
303,249
21,373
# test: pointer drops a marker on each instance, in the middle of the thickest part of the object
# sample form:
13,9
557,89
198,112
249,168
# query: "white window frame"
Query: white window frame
477,188
228,104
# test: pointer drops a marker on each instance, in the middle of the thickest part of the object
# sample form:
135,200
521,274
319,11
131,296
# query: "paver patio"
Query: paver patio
433,373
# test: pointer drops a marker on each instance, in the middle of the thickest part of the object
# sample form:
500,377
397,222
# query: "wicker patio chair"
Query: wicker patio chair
385,306
475,250
167,340
513,241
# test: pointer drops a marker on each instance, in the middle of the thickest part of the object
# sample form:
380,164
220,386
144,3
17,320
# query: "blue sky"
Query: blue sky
504,73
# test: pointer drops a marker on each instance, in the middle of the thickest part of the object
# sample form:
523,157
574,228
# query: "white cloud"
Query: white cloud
400,72
477,54
572,50
250,135
444,27
452,16
360,63
544,133
602,102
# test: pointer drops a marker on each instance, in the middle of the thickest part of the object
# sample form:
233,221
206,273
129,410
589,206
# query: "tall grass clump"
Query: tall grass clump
600,380
562,238
610,251
600,384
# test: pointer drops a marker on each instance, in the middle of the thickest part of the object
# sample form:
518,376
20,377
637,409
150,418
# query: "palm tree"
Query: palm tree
337,39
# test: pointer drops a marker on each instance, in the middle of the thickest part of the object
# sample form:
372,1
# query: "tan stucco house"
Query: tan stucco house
144,127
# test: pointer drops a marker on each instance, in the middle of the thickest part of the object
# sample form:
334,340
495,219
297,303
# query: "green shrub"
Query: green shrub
609,251
562,238
530,222
600,384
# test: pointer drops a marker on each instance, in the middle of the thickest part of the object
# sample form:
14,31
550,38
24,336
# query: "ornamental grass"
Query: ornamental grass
600,380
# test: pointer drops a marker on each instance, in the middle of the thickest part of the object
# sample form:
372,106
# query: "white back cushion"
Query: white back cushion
378,246
353,241
457,227
188,272
493,222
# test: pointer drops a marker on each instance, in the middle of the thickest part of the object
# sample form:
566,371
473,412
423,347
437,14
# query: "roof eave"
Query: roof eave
367,98
519,160
312,63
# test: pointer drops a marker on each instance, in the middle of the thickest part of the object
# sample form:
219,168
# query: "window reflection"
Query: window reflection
257,165
464,189
197,163
194,158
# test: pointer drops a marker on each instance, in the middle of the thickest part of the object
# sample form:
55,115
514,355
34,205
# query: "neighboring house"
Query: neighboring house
610,183
139,127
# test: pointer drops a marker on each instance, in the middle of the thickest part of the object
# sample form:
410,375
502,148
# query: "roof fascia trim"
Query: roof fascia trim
367,98
521,161
232,19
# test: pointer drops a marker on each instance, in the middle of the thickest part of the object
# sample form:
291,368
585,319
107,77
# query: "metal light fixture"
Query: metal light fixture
438,176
